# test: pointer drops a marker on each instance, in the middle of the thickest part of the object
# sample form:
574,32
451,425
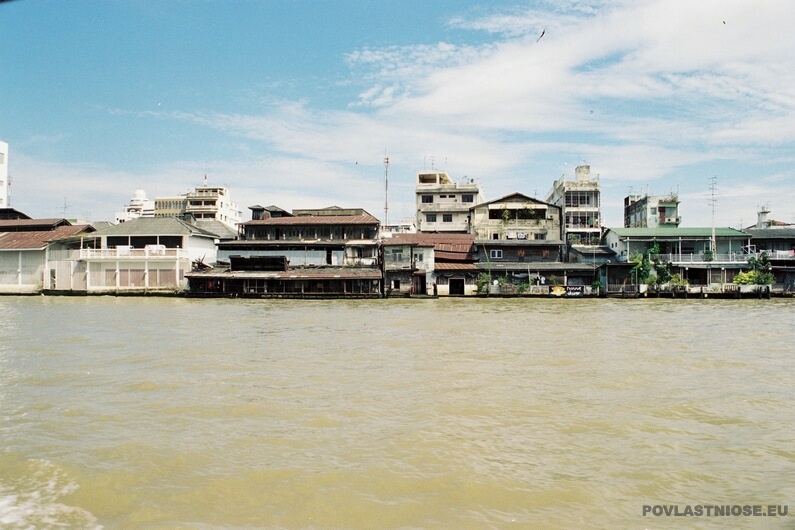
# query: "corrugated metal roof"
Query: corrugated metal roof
303,273
249,244
677,232
315,220
772,233
31,224
518,242
592,250
456,267
154,226
535,266
217,228
430,239
36,239
516,195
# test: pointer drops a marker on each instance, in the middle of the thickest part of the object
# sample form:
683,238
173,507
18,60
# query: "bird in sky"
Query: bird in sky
542,34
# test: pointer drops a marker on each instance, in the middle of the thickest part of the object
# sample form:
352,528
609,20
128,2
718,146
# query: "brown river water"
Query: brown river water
446,413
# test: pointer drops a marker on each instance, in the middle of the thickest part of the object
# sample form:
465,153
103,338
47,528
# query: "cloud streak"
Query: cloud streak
646,92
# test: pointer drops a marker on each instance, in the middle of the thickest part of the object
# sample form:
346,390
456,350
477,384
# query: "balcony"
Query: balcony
702,257
151,252
670,220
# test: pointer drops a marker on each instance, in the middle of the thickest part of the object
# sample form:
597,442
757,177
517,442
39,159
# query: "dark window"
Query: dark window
447,217
427,199
495,254
431,217
467,198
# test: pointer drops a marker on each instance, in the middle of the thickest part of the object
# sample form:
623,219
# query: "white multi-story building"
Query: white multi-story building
580,200
650,211
202,203
443,205
139,206
4,175
213,202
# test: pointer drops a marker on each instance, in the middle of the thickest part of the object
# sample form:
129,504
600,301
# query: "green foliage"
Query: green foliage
708,255
760,273
554,280
664,272
596,284
642,267
754,278
745,278
677,280
523,287
484,280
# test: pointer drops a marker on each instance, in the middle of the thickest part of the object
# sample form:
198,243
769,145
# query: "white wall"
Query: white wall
21,271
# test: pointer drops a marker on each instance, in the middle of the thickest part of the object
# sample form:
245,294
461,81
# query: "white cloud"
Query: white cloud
646,91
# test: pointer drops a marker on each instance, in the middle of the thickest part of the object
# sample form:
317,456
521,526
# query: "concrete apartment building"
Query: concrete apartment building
203,203
580,201
443,205
651,211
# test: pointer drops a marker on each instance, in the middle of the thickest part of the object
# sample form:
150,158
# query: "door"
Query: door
456,287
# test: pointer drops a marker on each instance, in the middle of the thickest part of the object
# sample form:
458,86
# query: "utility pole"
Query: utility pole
386,191
712,202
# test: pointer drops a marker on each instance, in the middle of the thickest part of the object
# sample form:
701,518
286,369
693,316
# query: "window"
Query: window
431,217
467,198
395,284
447,217
418,256
495,254
427,199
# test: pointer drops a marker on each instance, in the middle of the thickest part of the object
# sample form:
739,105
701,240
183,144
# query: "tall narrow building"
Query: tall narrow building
580,201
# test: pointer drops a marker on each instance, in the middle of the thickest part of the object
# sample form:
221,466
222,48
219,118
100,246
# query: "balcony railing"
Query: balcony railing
133,253
703,257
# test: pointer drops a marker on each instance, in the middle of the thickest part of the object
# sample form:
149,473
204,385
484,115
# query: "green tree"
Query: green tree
642,267
760,273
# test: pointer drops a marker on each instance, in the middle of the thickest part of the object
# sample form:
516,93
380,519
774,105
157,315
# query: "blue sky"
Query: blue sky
296,102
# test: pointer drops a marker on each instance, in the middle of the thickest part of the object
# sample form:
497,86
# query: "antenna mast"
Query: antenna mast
386,190
712,201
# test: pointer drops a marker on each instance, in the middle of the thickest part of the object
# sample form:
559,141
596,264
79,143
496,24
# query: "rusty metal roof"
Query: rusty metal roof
452,247
315,220
299,273
12,225
37,239
456,267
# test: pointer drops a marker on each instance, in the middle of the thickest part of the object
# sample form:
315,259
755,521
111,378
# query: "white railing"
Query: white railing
132,253
704,257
